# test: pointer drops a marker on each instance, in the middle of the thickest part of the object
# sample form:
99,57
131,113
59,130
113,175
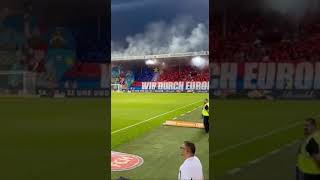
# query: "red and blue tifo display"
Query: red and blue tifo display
165,76
60,57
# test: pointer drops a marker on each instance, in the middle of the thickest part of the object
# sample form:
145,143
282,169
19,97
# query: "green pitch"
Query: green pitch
247,131
43,138
137,129
38,136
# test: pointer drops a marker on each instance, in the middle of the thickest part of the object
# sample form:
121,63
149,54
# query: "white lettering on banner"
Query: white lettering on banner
188,86
264,75
267,75
177,85
145,85
181,86
228,75
154,85
215,75
304,76
250,74
160,85
198,85
205,85
254,75
285,76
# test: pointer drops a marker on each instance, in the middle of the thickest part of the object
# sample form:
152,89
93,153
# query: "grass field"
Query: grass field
42,138
247,131
66,137
137,129
251,138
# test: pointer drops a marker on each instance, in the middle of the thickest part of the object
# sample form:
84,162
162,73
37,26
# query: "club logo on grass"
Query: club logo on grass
124,162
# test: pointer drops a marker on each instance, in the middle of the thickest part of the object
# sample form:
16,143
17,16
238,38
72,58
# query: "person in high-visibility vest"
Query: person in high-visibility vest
205,115
308,161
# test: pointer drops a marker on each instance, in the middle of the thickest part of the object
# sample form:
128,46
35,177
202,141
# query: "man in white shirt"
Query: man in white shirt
191,169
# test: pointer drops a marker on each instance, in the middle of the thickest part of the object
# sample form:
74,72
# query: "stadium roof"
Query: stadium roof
159,56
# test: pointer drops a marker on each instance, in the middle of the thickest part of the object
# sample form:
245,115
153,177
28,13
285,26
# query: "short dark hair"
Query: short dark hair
123,178
191,146
312,121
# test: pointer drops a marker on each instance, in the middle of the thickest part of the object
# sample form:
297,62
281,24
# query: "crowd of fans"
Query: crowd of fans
131,74
53,53
269,37
187,73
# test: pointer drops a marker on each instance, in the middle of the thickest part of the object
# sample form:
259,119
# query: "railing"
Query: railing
159,56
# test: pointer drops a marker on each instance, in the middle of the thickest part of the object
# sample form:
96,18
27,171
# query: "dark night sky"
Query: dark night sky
131,16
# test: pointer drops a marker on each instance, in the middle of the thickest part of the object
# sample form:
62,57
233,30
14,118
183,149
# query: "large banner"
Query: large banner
98,92
265,75
177,86
266,79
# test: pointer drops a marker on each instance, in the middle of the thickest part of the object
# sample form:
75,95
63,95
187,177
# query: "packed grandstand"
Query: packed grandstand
134,75
259,47
252,34
59,56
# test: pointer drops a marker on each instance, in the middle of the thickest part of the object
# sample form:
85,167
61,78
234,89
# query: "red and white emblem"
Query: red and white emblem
124,162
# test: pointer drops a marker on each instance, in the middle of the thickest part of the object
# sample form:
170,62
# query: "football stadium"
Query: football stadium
53,89
156,105
264,84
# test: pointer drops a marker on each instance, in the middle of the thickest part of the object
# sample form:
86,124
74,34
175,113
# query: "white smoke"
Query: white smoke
294,9
126,5
181,35
199,62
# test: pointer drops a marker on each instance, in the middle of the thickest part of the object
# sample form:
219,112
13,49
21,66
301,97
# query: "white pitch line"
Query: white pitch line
275,151
261,158
255,161
149,119
234,171
228,148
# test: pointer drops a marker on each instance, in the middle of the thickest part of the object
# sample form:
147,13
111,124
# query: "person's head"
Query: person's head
206,101
188,149
310,126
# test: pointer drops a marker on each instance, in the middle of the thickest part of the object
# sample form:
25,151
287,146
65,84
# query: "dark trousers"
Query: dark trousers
206,123
303,176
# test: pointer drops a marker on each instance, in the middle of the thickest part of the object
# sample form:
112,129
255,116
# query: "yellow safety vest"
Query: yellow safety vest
204,111
306,163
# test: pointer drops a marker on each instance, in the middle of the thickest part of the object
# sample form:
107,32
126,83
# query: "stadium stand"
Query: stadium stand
56,54
260,39
133,73
186,73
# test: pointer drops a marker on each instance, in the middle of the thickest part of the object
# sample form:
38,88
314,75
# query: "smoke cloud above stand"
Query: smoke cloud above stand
295,9
180,35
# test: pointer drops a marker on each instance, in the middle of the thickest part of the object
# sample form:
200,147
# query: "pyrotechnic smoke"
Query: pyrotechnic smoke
295,9
199,62
181,35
